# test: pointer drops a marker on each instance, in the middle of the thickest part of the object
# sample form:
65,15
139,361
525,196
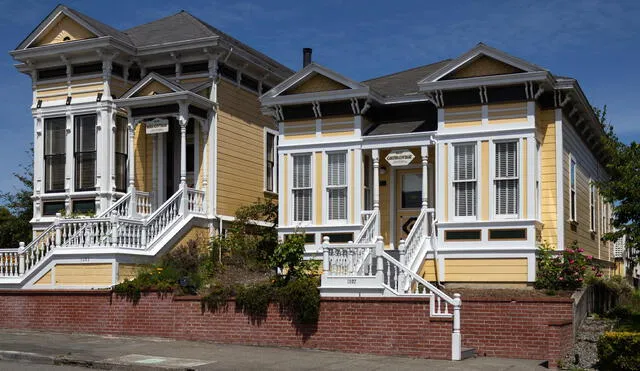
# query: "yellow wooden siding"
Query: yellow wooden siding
428,270
507,113
198,234
83,274
195,80
486,270
482,66
119,87
579,231
318,191
143,156
525,188
64,27
484,181
127,271
203,154
338,133
463,116
545,124
445,179
45,280
240,148
151,88
314,84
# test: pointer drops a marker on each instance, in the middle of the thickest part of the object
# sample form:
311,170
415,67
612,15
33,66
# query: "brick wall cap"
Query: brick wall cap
19,292
518,299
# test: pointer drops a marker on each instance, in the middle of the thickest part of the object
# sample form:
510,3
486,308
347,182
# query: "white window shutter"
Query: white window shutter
506,178
337,185
302,192
465,179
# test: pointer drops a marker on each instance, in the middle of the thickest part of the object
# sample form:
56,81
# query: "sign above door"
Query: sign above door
157,126
400,157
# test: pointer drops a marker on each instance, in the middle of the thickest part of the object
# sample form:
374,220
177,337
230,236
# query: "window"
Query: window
464,179
54,154
270,162
121,149
592,206
84,207
337,185
51,208
368,194
572,189
85,152
302,191
506,178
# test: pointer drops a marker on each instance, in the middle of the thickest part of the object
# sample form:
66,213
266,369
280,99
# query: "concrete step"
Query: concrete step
468,352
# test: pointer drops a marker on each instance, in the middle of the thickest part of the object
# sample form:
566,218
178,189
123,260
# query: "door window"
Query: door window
411,191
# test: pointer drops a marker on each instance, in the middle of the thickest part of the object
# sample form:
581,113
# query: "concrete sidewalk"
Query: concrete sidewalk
138,353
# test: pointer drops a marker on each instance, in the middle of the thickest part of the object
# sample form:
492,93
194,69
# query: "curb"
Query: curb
17,356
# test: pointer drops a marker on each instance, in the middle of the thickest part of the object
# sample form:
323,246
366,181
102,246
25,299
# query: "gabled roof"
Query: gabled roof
147,80
403,83
480,50
352,88
94,26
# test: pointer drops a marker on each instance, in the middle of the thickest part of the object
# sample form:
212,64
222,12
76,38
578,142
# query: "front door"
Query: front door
408,200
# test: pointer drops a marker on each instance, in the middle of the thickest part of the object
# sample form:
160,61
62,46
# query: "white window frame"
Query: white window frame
593,218
44,155
495,179
538,187
274,171
327,187
292,207
452,181
573,193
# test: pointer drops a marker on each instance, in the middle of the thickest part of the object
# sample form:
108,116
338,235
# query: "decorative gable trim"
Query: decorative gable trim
51,19
148,79
479,51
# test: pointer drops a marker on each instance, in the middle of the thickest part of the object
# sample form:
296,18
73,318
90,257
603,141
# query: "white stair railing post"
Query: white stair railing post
379,267
114,228
133,203
143,237
58,232
402,249
456,336
183,201
325,257
21,259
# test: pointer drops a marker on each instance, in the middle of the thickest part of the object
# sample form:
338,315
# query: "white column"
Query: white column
358,184
196,152
532,164
424,152
131,155
38,164
205,158
112,154
183,119
375,156
69,162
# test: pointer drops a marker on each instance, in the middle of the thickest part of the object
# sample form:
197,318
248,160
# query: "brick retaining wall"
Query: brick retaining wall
535,328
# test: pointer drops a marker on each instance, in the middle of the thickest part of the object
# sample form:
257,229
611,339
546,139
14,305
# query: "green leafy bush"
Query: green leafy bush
253,300
619,351
301,299
149,278
562,270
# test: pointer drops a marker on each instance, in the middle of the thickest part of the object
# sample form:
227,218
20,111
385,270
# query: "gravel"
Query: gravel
584,354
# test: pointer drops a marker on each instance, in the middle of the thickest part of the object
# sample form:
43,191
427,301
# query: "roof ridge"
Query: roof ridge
408,70
153,21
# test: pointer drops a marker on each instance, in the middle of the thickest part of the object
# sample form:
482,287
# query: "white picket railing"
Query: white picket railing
420,232
371,220
349,259
143,203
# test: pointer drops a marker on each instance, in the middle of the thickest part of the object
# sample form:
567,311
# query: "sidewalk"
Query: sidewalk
136,353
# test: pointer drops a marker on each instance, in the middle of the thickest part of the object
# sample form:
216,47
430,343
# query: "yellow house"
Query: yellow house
152,134
459,169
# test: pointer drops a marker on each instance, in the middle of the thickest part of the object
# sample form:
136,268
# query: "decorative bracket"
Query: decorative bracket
483,95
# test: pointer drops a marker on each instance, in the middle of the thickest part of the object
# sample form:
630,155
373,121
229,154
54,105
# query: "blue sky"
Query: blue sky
595,41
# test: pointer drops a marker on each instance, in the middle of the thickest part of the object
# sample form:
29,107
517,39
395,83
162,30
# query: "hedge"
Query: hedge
619,351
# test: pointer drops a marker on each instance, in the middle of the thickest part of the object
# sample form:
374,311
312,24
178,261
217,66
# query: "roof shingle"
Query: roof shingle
403,83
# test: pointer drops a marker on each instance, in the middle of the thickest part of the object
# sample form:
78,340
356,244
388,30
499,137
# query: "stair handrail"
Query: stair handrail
367,233
416,236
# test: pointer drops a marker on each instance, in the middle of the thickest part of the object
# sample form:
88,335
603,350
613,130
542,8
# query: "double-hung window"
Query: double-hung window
85,152
122,133
302,191
270,162
464,179
506,178
572,190
337,185
54,154
592,206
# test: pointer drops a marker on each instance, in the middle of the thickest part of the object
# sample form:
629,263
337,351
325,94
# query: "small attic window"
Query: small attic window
66,38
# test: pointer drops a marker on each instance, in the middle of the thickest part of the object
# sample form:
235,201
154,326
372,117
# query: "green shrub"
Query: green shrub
619,351
301,299
149,278
253,300
216,299
561,270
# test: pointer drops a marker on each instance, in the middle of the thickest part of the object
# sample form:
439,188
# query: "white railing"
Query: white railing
419,234
163,218
349,259
9,262
196,201
143,203
369,230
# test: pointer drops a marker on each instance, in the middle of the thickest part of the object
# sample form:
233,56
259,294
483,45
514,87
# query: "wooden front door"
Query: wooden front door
408,200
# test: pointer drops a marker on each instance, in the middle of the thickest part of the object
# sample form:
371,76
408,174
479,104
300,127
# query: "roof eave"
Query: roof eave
494,80
163,99
23,55
324,96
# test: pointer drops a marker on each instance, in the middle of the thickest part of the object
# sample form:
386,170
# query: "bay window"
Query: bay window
302,191
464,179
337,185
54,154
506,180
85,152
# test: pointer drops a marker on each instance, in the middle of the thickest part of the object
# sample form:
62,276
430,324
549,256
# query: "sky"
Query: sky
594,41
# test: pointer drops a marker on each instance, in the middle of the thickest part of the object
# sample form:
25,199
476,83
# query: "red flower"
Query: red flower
580,250
570,251
571,261
561,278
589,257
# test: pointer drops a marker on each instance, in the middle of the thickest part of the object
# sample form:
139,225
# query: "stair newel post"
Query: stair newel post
114,228
58,231
456,337
379,251
402,247
183,201
21,259
143,237
325,257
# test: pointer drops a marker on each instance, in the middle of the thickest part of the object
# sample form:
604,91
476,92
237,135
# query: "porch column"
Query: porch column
183,119
424,152
131,156
375,156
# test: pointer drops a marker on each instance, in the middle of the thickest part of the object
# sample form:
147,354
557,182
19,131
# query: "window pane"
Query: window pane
54,173
85,170
337,172
411,191
506,159
302,171
507,197
464,162
465,194
85,135
338,203
54,137
302,204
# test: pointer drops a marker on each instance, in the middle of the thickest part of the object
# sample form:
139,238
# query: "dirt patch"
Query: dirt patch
505,293
230,275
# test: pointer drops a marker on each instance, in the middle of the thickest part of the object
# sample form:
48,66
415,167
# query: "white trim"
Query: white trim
493,188
559,179
573,187
493,80
62,10
532,164
274,174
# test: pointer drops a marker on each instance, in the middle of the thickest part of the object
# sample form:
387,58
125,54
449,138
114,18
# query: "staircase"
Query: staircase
128,227
365,268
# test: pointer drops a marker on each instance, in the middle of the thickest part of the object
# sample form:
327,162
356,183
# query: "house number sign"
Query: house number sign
157,126
400,157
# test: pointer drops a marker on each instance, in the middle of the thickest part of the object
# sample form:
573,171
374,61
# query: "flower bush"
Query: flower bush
563,270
